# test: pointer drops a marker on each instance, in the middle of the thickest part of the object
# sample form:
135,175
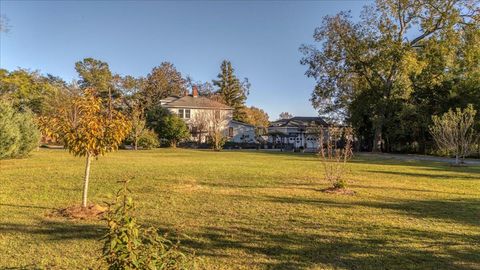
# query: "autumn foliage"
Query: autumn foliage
88,127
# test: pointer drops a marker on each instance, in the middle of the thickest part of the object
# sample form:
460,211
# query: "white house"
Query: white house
297,132
240,132
203,115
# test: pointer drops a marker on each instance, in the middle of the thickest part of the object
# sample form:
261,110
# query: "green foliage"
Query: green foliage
400,63
173,129
96,74
148,139
129,246
27,90
9,131
161,82
231,90
454,131
168,127
19,134
30,135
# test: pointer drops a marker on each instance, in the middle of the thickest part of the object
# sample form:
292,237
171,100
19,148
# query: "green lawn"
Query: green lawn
248,210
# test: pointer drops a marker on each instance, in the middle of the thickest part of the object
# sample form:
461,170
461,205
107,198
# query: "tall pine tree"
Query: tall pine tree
231,90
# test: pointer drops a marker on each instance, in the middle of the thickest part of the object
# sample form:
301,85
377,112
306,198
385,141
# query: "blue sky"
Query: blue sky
261,38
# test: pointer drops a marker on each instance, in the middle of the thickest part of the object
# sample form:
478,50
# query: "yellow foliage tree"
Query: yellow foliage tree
89,129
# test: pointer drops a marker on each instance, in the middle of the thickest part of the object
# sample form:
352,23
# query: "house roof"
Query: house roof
299,121
242,123
193,102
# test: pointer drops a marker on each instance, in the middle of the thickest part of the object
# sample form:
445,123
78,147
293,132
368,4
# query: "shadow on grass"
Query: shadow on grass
56,230
427,175
464,211
353,245
303,250
25,267
24,206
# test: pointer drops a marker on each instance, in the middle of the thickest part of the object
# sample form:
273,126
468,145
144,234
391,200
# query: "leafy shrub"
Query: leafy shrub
30,135
129,246
18,133
9,131
148,140
168,127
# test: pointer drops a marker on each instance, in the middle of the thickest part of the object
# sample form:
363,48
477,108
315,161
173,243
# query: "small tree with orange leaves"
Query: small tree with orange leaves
89,128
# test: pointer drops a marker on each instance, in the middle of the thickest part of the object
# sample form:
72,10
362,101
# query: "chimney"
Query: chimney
185,93
194,91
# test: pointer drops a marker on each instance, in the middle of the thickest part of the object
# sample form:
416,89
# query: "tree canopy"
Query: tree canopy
374,72
256,117
161,82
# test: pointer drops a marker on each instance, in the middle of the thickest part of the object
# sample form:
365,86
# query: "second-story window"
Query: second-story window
187,113
217,115
180,113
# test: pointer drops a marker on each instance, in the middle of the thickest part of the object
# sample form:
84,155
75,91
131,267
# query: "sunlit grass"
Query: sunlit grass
248,210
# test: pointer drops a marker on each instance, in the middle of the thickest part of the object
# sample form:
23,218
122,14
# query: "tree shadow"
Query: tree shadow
464,211
24,267
25,206
427,175
56,230
292,250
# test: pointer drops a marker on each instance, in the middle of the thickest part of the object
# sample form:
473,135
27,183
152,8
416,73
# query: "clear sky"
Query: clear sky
261,38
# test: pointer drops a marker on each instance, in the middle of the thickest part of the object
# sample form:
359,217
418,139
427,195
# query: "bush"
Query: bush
9,131
168,127
30,135
18,133
129,246
148,140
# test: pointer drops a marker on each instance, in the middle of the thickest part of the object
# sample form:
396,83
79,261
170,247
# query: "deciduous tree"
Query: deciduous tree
90,129
256,117
379,54
285,115
161,82
454,132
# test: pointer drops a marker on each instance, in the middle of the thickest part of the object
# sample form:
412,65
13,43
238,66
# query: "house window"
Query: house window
230,131
180,113
217,115
187,113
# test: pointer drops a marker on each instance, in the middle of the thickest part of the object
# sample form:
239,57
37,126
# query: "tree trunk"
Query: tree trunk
85,181
377,139
456,159
135,143
173,143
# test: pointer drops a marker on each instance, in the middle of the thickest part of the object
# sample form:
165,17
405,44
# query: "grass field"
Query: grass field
248,210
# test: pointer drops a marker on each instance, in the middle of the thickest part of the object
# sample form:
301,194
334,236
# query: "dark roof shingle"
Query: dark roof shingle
194,102
300,121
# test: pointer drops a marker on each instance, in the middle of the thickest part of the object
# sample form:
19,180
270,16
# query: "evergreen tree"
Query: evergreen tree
9,131
231,90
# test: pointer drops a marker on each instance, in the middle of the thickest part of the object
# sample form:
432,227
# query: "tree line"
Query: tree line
135,97
401,63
